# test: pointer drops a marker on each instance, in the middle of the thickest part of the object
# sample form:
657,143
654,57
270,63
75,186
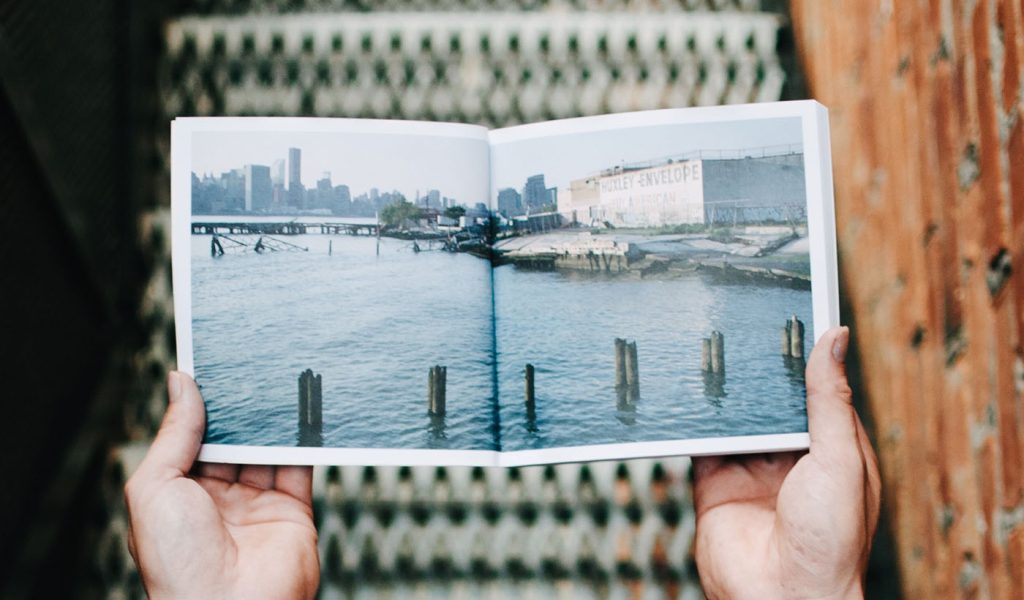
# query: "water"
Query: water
370,325
565,323
373,325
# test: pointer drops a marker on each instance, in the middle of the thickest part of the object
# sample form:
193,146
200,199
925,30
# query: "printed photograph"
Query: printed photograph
652,283
340,296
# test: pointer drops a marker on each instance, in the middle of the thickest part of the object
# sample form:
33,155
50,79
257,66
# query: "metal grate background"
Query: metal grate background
596,530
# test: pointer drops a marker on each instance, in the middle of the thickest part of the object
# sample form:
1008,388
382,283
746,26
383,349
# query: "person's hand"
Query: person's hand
794,525
216,530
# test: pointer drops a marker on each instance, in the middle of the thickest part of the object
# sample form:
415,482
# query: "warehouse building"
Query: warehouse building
744,187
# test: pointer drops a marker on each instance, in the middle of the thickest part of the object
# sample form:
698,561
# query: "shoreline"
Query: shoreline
773,256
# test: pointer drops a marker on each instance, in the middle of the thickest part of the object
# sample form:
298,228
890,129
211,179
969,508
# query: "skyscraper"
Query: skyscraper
277,181
277,172
259,191
509,202
324,192
535,193
296,192
233,196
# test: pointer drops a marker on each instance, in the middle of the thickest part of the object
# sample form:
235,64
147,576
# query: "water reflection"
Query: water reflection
627,397
795,371
531,418
714,388
310,436
437,427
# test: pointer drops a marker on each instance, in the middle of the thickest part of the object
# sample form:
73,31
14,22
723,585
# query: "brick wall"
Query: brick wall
927,115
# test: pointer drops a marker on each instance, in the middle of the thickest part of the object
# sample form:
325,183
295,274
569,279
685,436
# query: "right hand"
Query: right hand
793,525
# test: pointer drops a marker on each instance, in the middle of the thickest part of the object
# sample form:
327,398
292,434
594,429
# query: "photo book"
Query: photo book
354,291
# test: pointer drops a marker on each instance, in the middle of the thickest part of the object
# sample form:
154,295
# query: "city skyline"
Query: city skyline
434,196
457,167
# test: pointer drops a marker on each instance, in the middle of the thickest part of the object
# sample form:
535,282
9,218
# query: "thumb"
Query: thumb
831,420
181,433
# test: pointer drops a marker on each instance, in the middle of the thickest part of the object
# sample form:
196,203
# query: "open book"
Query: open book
390,292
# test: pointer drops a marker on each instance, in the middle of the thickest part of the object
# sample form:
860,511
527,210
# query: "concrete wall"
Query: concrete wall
770,181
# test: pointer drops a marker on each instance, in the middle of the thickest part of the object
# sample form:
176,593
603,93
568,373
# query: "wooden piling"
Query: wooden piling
717,352
787,343
530,403
796,337
316,403
310,400
705,355
437,380
303,396
430,389
620,363
632,367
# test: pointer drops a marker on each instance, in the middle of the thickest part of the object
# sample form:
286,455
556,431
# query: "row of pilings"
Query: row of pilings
627,379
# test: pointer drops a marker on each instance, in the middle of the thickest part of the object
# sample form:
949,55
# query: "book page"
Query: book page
654,291
328,301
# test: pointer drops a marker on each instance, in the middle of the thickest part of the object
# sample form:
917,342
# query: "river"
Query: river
372,325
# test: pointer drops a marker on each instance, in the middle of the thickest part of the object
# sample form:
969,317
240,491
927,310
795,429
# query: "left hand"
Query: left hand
209,530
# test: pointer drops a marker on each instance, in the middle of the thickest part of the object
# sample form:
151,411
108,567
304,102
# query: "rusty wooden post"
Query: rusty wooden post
787,343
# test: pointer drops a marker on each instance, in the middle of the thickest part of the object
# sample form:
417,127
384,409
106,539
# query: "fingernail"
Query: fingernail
173,386
840,345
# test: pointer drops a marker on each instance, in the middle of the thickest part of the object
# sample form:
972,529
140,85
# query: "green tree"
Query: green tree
454,212
397,213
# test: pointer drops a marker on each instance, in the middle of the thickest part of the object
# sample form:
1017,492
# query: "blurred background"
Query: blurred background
926,104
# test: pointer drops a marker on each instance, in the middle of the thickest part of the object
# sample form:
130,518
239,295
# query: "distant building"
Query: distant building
343,200
277,172
509,202
667,194
296,191
294,166
201,198
535,192
277,180
232,185
259,189
745,189
324,192
434,199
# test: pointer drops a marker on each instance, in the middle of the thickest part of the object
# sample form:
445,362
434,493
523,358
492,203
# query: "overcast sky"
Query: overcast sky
567,157
457,167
